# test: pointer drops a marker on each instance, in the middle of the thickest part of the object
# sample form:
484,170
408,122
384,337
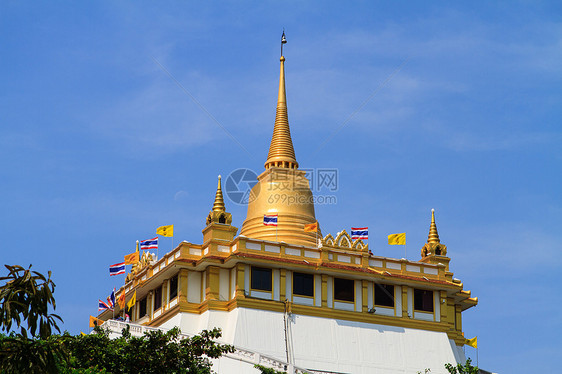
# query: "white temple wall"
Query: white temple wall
328,344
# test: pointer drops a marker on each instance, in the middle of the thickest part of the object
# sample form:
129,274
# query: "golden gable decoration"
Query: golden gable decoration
328,240
344,241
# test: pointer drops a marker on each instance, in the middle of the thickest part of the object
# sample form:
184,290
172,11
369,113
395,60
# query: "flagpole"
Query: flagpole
317,244
114,299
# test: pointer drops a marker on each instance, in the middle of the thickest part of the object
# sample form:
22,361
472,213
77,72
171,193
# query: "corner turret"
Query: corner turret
219,221
433,251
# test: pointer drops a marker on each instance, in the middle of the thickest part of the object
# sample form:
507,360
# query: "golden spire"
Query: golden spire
281,151
218,206
281,171
433,236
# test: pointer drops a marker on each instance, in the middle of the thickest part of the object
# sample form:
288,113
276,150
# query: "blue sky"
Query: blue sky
99,146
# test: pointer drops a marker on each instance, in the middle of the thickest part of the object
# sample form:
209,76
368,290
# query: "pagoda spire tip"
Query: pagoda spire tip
433,236
218,205
281,151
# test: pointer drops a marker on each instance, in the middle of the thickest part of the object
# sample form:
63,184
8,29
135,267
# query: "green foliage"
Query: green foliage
25,297
265,370
22,355
467,368
155,352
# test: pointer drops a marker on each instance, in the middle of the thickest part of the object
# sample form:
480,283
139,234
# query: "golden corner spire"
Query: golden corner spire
219,222
433,251
433,236
218,205
281,151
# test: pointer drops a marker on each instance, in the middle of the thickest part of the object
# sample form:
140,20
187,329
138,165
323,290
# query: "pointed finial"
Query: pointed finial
433,236
281,151
218,206
283,41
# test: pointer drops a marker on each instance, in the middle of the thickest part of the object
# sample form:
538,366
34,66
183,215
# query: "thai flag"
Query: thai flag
117,269
102,306
359,233
111,299
149,244
270,219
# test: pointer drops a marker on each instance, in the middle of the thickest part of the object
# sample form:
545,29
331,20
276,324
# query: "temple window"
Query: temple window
173,288
344,289
142,308
222,219
303,284
262,279
423,300
384,295
158,298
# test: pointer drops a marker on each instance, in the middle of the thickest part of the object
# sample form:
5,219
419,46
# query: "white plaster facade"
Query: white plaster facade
322,344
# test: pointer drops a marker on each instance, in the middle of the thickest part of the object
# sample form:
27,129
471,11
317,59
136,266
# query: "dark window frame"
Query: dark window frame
303,284
342,290
259,281
157,298
384,295
173,292
423,300
142,308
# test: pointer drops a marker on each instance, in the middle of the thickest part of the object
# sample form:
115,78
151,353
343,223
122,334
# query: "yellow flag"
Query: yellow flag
397,239
132,301
472,342
313,227
132,258
165,230
95,321
81,333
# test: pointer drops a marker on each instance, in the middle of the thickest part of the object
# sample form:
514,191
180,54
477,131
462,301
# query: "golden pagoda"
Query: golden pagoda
282,188
300,301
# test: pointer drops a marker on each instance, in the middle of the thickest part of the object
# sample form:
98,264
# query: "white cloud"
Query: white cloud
492,142
508,250
181,195
157,118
